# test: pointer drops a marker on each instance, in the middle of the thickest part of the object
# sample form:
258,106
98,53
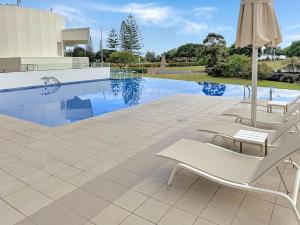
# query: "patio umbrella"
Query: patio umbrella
257,26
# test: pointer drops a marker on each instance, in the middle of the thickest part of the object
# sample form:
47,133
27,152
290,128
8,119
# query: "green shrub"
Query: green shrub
264,71
122,58
218,70
233,66
238,66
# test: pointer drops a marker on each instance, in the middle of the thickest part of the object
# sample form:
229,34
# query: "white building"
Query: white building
32,39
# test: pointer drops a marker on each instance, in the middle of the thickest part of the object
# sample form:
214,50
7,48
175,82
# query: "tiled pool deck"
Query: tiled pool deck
104,171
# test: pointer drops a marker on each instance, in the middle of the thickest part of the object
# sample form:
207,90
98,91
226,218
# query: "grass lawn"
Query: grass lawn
202,78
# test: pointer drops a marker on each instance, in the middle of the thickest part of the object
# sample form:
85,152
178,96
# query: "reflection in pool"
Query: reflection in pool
213,89
56,105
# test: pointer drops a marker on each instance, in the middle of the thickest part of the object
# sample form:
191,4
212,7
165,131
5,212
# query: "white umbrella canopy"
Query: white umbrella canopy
257,26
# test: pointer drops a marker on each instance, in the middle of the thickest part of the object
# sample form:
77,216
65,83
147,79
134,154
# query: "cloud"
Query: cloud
191,28
293,27
74,17
293,37
149,13
164,16
205,11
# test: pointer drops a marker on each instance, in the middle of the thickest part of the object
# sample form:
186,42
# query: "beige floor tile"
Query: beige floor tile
81,178
201,221
219,213
131,200
34,204
112,215
283,216
257,208
11,187
148,186
34,177
21,196
59,190
228,197
105,189
152,210
135,220
83,203
10,217
193,202
170,194
246,219
177,217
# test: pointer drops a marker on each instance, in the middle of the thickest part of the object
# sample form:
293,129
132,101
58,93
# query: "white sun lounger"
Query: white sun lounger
262,117
264,103
228,130
233,169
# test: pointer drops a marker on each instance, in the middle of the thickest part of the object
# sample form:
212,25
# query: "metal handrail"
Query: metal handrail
249,91
246,86
47,80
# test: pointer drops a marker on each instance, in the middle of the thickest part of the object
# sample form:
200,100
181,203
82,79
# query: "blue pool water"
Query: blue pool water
56,105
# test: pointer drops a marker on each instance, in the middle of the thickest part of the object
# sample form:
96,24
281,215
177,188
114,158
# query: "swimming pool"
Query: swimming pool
56,105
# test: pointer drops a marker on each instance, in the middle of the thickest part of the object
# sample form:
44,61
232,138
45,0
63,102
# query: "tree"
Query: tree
112,40
134,35
106,54
189,51
242,51
171,54
78,52
90,51
213,39
130,36
213,55
124,37
150,56
122,58
293,50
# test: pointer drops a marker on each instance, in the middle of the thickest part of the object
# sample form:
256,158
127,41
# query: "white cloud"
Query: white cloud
74,17
149,13
293,27
205,11
191,28
293,37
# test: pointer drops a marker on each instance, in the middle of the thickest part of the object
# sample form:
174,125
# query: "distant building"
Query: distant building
266,57
32,39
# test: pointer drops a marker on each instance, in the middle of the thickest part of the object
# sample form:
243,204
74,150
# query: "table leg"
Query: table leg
241,147
261,149
266,147
268,109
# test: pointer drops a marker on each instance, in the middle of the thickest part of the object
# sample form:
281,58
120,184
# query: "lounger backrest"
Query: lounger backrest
285,127
294,108
295,100
287,147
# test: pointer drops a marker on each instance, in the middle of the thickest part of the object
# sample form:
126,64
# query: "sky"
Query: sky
165,24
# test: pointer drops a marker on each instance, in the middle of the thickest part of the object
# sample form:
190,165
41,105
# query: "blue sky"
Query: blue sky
166,24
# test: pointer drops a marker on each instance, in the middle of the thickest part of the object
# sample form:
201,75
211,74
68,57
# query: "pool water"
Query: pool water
57,105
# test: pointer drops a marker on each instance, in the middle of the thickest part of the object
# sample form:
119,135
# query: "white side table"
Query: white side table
278,104
251,137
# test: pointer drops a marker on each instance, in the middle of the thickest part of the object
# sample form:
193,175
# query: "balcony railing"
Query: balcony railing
61,66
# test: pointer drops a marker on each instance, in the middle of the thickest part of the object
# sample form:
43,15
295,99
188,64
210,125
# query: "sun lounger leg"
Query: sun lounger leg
172,175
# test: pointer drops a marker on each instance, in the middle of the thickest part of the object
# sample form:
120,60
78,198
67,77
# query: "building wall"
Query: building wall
19,64
29,32
33,78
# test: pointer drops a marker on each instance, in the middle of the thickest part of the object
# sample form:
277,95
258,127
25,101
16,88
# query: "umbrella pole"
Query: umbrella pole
254,86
